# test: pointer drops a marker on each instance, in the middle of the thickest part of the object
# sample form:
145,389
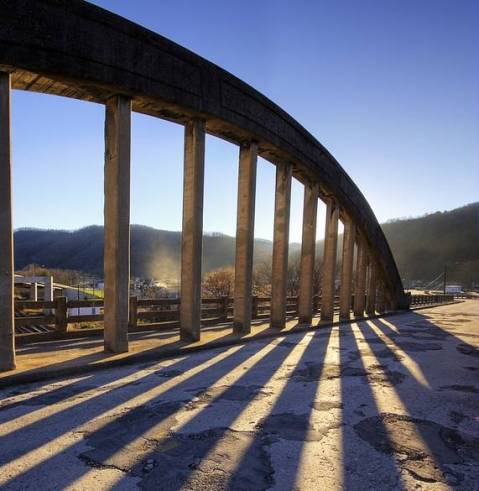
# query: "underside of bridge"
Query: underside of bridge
74,49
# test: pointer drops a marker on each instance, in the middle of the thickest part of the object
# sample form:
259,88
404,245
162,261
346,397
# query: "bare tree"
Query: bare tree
218,283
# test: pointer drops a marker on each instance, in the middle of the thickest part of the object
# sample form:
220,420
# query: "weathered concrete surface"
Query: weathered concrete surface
383,404
308,252
192,230
279,269
117,223
245,237
7,311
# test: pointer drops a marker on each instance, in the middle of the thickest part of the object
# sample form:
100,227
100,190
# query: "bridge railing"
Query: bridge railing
420,300
36,317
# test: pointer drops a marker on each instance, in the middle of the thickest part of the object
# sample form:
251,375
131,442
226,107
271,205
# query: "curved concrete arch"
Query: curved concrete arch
74,49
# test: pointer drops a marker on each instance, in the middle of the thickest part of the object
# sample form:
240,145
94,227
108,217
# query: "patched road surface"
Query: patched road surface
384,404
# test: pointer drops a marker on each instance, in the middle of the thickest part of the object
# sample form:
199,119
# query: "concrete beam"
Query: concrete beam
329,260
345,292
308,250
117,223
245,238
361,267
282,205
192,236
7,311
372,284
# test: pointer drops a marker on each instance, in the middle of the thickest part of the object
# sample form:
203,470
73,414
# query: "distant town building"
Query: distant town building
452,289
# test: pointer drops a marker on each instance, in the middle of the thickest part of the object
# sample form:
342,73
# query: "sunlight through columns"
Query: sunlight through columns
39,455
178,420
256,410
388,400
412,366
328,394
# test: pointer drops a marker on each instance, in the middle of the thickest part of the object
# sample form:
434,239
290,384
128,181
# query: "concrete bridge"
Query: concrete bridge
74,49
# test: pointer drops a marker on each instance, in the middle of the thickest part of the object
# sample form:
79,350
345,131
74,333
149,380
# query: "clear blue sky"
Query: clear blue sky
389,87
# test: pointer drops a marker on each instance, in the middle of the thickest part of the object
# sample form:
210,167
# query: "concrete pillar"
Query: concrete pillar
48,289
347,269
372,284
245,238
48,293
372,288
7,311
329,260
192,236
361,267
280,244
34,291
380,303
117,223
308,250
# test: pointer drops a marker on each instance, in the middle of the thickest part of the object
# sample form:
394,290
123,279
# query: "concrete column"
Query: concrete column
48,289
329,260
380,303
48,293
308,249
245,238
34,291
192,236
117,223
372,283
361,267
7,311
280,244
347,269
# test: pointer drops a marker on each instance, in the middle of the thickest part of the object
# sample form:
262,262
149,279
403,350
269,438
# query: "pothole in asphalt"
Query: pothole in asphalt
326,405
407,437
208,460
169,373
293,427
460,388
312,372
457,417
467,349
227,393
118,441
386,378
411,346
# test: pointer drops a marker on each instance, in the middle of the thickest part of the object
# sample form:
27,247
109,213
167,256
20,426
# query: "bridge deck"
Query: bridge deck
383,404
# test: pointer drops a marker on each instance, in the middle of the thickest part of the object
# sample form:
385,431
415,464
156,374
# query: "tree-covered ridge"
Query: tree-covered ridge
421,246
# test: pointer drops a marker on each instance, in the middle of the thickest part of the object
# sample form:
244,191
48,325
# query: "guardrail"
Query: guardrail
421,300
162,313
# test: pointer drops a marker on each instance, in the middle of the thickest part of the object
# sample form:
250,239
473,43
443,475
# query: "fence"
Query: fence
421,300
163,313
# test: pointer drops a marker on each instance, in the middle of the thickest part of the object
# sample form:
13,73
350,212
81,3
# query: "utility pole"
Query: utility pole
445,278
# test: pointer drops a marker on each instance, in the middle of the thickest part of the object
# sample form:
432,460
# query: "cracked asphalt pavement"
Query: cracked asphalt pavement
383,404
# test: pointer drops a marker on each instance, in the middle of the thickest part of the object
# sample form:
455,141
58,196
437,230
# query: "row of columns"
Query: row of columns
117,238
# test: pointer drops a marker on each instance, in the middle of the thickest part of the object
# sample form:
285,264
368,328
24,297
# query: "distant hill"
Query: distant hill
421,247
154,253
